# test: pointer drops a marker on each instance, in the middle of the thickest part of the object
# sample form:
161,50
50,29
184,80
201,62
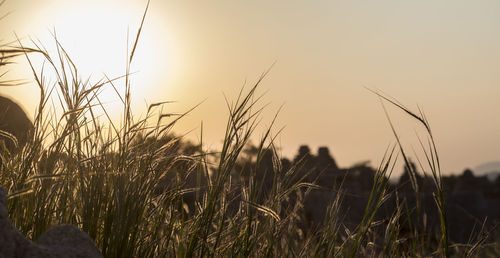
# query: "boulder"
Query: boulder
14,121
59,241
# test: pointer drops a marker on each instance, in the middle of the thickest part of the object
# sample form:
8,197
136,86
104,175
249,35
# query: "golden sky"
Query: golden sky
442,55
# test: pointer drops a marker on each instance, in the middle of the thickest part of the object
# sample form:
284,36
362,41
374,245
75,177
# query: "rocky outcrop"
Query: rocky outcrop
60,241
14,121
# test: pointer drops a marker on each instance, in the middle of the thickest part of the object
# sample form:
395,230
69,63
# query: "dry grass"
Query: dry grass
127,185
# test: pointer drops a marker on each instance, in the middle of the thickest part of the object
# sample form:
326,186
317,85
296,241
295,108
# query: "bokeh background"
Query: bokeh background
443,56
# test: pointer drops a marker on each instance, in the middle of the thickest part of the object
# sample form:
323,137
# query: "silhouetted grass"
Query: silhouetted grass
129,186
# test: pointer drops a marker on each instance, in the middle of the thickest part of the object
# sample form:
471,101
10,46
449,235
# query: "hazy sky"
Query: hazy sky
442,55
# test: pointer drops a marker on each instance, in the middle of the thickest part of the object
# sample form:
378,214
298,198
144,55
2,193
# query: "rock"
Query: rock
59,241
14,121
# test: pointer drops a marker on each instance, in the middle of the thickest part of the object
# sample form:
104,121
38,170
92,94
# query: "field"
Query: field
139,190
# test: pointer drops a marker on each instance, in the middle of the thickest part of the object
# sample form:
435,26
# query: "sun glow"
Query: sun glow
99,36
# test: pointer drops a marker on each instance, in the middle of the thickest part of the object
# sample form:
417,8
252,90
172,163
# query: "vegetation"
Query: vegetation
140,191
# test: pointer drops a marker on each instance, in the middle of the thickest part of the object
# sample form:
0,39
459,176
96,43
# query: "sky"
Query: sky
443,56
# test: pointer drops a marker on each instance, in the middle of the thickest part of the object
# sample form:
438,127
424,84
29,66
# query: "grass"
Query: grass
140,191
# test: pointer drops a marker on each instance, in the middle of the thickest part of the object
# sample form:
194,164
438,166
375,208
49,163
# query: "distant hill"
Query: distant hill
489,169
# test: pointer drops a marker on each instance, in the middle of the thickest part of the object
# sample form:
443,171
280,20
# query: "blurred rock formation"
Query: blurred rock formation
59,241
13,122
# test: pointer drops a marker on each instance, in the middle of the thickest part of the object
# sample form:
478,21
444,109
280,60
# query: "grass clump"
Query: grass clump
140,191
